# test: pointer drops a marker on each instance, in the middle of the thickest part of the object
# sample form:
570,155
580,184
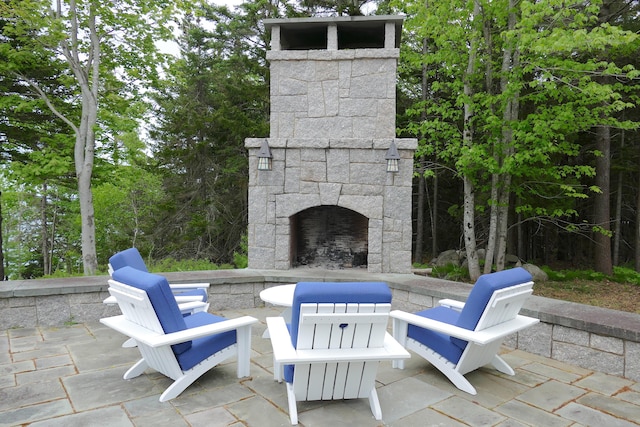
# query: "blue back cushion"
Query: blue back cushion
481,293
161,297
129,257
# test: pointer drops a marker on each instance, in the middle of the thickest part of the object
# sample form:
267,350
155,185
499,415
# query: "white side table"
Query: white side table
281,295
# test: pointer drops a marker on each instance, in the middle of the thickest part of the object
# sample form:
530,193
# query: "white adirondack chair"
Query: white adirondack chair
192,297
182,348
458,338
338,337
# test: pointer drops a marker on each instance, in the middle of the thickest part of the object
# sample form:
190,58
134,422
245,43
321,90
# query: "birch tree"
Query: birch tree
109,49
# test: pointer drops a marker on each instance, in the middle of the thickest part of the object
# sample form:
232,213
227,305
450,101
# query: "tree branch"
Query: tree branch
46,99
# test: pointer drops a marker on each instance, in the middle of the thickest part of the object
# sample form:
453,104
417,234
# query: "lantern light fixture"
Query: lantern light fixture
264,157
392,158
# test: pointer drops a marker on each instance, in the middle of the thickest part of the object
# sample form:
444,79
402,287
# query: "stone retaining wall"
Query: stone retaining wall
590,337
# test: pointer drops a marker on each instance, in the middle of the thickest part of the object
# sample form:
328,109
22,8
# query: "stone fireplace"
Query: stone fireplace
326,200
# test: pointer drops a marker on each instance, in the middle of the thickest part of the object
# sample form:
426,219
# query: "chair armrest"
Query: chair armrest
482,337
451,303
192,307
181,287
155,339
180,299
283,349
285,353
186,303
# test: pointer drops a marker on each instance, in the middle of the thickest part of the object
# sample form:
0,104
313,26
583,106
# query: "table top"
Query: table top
279,295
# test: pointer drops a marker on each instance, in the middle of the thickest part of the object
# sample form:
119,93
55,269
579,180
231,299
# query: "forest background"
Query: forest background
526,114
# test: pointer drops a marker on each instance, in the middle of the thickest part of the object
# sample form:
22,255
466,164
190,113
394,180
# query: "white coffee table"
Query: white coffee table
281,295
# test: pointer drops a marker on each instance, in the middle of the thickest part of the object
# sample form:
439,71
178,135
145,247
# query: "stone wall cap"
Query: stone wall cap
324,20
331,55
358,143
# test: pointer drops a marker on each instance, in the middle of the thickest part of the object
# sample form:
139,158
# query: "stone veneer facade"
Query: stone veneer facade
332,122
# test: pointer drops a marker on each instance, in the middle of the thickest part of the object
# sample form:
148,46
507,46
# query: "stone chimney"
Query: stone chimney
320,193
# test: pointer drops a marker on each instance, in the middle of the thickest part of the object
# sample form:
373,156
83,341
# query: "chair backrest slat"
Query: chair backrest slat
338,316
505,304
162,299
135,305
323,329
483,296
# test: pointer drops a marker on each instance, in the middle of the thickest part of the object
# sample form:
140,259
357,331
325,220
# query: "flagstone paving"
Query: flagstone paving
72,376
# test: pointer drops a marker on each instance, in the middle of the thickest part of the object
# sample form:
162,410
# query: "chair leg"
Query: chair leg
277,371
177,387
400,329
293,407
375,404
502,366
460,381
136,369
130,343
243,338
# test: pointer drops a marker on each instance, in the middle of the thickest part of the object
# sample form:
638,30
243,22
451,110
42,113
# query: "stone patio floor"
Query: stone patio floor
72,376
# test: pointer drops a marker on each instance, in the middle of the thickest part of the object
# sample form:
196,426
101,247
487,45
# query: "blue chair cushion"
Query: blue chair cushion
201,348
129,257
162,299
333,293
481,293
438,342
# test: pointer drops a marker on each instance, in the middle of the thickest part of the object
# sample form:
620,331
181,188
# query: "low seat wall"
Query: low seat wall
590,337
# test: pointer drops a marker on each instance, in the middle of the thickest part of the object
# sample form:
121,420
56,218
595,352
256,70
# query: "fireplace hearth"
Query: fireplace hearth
327,200
329,237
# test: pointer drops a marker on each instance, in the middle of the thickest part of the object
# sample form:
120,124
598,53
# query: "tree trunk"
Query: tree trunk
417,257
510,61
421,179
495,177
2,276
637,245
602,216
84,152
434,215
618,219
468,222
46,265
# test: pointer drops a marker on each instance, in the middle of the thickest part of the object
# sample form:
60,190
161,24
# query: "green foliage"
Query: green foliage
625,275
170,264
451,272
241,257
620,275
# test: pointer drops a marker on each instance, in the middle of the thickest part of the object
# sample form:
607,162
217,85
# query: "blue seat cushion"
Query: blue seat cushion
439,342
202,348
129,257
162,299
333,293
481,293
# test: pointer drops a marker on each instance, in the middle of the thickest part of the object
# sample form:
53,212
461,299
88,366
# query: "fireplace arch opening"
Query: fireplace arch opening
330,237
